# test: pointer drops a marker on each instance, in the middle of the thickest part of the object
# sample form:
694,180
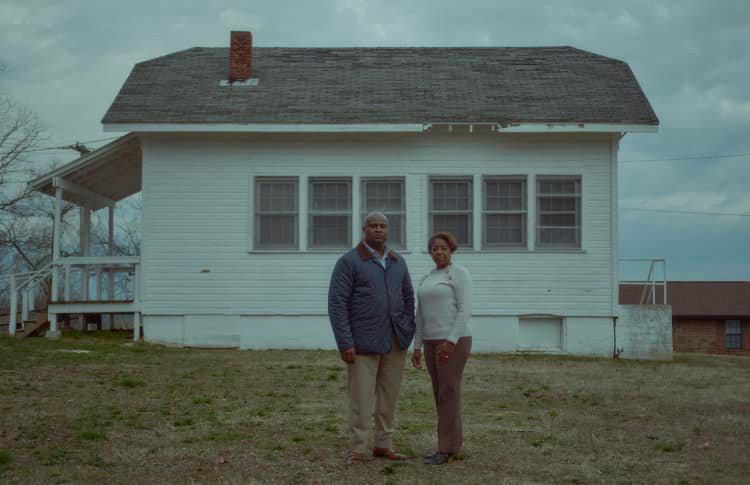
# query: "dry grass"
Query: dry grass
127,414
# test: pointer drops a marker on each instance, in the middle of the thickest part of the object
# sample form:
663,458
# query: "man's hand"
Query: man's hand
348,355
444,351
416,359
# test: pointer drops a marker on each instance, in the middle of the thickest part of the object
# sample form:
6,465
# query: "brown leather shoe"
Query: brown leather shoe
387,453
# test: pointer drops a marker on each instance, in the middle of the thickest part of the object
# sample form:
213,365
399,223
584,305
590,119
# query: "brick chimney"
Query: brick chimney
240,56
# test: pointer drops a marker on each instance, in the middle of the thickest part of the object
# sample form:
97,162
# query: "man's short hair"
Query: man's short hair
373,215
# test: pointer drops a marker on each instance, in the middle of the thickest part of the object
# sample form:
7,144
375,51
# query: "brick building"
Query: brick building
707,316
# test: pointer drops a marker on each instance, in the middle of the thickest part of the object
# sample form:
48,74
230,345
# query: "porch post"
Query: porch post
53,332
85,227
111,274
136,303
66,291
25,306
13,306
85,230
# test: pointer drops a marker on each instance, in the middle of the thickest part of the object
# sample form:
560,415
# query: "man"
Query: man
371,308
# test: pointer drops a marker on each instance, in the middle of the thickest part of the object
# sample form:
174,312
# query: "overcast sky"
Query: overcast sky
67,60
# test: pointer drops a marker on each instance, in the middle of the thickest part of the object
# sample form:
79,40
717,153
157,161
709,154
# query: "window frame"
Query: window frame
312,213
736,336
578,195
400,245
469,212
258,212
524,212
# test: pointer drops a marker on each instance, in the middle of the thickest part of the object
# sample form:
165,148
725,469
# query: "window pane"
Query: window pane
734,327
505,229
557,220
457,224
733,341
330,231
559,215
383,196
451,196
395,231
330,196
558,236
277,231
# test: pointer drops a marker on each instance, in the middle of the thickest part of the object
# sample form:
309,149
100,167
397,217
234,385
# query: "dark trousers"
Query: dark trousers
446,387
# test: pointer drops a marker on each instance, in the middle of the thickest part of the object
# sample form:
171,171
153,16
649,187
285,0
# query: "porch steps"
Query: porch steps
32,328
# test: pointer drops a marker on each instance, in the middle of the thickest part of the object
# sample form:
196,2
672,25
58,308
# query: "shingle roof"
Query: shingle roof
698,298
385,85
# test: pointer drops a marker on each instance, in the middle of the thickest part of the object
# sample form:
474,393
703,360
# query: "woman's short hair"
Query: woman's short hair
449,238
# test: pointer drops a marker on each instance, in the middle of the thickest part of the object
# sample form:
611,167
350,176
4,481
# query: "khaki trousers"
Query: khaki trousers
374,384
446,387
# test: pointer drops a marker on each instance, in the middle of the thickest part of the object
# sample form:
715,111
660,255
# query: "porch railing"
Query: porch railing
124,290
119,294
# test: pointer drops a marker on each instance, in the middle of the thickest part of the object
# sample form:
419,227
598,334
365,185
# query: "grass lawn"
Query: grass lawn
139,413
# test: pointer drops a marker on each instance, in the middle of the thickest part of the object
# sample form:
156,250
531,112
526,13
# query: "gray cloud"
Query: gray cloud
66,61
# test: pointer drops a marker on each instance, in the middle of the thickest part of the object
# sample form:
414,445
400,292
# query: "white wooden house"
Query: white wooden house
256,165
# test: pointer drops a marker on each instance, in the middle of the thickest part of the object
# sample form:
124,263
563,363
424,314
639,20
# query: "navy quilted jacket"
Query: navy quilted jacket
367,303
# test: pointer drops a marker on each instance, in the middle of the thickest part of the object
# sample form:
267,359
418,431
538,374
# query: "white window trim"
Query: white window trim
558,247
471,212
402,213
525,212
312,213
258,179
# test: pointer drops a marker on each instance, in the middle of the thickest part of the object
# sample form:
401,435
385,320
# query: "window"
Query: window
733,338
558,207
276,213
451,205
386,195
504,212
330,213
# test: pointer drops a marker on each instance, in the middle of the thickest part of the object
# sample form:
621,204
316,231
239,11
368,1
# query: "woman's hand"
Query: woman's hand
416,359
444,351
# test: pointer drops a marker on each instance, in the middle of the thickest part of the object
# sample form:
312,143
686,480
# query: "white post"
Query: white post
136,301
85,233
66,292
13,306
356,229
25,307
53,332
98,282
304,201
476,222
111,291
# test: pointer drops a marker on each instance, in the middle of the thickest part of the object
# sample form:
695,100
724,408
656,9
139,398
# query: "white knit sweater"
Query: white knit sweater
444,305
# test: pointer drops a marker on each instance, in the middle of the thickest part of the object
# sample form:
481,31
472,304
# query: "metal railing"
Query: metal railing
651,283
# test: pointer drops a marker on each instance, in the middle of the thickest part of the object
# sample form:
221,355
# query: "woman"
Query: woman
443,312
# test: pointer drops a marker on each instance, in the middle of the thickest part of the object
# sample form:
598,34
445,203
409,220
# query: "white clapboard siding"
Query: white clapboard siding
197,220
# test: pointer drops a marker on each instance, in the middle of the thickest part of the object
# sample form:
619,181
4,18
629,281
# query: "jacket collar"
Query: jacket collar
365,254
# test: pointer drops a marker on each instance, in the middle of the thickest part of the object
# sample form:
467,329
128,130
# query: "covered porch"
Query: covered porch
86,283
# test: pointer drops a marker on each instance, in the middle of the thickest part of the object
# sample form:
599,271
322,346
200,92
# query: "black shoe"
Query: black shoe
438,459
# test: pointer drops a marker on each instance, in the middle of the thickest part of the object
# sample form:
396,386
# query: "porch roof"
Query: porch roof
99,178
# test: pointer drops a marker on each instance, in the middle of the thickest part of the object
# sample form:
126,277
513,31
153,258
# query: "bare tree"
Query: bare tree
25,216
19,134
127,230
